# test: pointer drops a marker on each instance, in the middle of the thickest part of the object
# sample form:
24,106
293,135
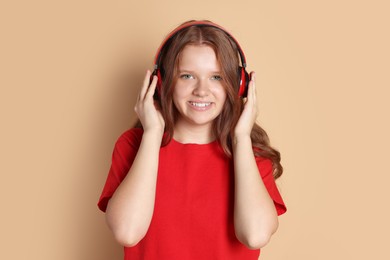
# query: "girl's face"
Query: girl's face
199,94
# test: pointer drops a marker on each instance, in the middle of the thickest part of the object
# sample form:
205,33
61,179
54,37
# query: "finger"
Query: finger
254,94
251,90
152,87
253,80
145,85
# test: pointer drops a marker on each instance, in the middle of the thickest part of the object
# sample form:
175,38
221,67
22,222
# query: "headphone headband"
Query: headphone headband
199,24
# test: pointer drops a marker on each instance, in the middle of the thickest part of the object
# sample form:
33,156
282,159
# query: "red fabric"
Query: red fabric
193,214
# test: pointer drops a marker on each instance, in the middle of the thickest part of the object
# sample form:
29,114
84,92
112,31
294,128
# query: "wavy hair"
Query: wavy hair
227,56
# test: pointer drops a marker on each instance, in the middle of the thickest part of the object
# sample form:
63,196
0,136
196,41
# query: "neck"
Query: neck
201,134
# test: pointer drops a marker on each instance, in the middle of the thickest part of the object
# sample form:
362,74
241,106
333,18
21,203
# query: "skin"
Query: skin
199,83
255,217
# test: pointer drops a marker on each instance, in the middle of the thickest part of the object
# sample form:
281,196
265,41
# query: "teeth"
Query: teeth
196,104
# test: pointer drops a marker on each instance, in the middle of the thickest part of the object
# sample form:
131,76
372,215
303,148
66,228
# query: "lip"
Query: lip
200,105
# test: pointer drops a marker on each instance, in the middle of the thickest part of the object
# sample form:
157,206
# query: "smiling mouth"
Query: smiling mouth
200,104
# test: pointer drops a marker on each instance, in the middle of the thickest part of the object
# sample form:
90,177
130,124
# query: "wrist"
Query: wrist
153,134
242,138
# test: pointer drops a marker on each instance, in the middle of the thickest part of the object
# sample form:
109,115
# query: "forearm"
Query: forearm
255,217
130,210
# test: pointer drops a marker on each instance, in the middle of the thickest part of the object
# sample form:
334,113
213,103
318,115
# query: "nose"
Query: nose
201,88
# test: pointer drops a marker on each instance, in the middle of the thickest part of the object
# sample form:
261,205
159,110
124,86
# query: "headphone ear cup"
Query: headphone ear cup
243,81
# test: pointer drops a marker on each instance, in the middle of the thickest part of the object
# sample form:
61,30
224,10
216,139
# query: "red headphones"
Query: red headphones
243,74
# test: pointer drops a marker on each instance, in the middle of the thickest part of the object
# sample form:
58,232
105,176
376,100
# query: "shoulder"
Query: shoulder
263,160
130,138
126,146
264,165
131,135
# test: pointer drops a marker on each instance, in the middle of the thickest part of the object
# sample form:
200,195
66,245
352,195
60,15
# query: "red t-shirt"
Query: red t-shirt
193,212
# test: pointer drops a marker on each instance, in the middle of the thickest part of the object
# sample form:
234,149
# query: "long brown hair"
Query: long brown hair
227,55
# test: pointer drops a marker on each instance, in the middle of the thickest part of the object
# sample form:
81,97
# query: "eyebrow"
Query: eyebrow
191,71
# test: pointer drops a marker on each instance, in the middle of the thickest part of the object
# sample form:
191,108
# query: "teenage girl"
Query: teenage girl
196,178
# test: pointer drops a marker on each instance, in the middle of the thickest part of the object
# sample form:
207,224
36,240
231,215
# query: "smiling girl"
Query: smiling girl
196,179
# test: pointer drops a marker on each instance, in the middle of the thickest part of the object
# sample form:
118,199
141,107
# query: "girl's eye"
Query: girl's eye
186,76
216,77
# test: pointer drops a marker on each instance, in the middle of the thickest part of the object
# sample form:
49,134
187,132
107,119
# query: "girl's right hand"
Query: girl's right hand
147,109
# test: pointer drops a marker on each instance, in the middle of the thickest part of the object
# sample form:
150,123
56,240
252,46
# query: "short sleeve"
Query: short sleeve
125,150
266,172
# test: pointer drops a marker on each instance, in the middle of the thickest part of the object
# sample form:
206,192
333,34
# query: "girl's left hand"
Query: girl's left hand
248,117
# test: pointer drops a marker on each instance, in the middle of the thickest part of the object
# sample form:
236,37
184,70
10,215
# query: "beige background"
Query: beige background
70,71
